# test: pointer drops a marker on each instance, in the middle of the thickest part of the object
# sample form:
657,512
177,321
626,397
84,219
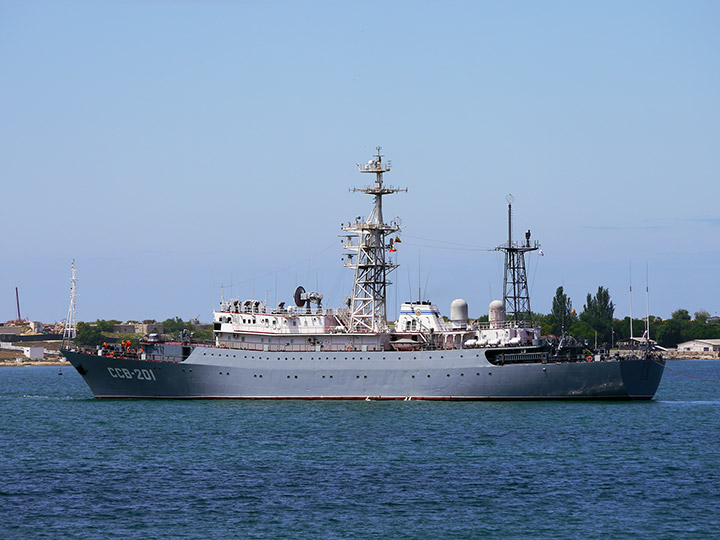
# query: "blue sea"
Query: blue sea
75,467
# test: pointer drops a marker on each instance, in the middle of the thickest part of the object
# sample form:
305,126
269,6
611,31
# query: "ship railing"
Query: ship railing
503,324
280,348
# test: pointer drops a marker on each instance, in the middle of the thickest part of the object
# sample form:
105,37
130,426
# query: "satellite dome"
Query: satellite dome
496,313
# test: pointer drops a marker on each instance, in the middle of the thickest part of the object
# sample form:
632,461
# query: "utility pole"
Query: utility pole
17,299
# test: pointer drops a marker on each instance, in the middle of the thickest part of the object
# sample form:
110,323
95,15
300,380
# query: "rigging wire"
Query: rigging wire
460,246
297,263
685,374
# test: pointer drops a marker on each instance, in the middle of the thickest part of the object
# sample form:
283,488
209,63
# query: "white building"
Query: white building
34,353
700,345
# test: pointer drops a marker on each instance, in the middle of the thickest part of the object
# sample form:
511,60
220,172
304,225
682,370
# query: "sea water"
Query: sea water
75,467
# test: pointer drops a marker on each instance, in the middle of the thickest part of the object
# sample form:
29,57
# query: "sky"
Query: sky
182,150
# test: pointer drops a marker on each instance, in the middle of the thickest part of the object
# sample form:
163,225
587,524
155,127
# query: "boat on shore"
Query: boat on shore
307,351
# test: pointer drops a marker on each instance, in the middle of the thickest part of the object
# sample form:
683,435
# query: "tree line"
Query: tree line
597,320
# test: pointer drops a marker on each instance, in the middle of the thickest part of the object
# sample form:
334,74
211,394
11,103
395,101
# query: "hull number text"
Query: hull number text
125,373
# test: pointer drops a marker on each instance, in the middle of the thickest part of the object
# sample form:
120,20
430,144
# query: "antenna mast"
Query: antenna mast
366,240
70,331
647,307
515,289
632,343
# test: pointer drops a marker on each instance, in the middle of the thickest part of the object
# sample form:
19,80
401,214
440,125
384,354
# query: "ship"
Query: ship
303,350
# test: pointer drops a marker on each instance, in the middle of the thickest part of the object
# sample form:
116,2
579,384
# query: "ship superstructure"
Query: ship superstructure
305,350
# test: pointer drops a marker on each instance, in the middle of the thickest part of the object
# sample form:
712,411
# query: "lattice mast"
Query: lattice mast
367,241
70,331
515,288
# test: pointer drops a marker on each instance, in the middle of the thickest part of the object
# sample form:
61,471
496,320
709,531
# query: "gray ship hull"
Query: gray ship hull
447,375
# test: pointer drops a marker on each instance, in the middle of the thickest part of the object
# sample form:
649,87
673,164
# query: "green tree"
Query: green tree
563,315
672,332
105,326
599,305
681,315
176,325
89,335
598,314
702,316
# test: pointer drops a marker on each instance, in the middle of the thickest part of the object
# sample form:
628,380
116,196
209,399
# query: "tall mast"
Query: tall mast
632,343
647,306
515,289
70,331
366,240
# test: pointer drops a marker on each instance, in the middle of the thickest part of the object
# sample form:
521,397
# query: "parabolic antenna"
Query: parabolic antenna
298,296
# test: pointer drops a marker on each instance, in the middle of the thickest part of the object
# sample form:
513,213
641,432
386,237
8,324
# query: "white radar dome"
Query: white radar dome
459,313
496,313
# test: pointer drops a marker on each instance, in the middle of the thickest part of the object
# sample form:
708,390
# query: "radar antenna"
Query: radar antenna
303,298
70,330
515,289
368,244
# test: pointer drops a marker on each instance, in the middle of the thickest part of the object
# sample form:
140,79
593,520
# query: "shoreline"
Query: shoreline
34,363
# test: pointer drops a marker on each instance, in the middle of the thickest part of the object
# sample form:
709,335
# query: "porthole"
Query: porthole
477,374
413,376
331,376
255,375
295,376
448,374
357,376
462,374
288,376
364,376
428,375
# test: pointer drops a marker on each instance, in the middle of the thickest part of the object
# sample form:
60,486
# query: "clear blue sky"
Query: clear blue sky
174,146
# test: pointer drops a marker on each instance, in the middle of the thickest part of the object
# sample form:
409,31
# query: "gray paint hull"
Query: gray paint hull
451,375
